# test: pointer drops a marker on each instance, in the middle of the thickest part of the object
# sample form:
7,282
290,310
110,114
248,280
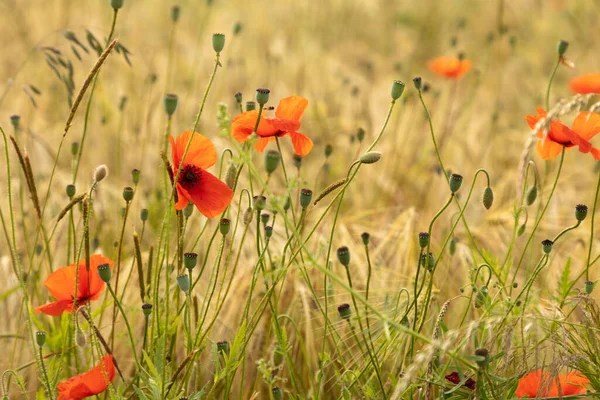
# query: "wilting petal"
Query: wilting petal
261,143
201,151
291,108
302,143
89,383
55,308
211,196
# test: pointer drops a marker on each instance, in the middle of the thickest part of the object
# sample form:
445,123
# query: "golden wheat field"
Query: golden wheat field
358,199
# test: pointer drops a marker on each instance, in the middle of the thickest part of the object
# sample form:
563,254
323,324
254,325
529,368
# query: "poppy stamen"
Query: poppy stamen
190,176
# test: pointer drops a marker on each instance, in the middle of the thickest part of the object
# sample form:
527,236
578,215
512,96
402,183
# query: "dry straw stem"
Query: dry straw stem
26,166
76,199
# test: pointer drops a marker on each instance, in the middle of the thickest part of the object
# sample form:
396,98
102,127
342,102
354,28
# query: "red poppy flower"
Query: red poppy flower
455,378
286,122
537,384
61,284
196,185
449,67
89,383
585,127
585,84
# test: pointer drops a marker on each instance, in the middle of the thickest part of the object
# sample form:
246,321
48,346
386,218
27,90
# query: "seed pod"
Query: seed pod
170,103
423,239
71,191
547,246
365,236
183,281
135,176
277,393
305,197
128,194
218,42
250,106
343,254
418,82
488,198
272,159
455,182
589,287
190,260
397,89
581,211
345,311
144,214
562,47
259,202
262,96
40,338
147,309
104,272
224,226
14,120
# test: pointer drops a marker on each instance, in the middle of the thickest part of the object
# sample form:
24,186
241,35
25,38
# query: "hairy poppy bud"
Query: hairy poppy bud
190,260
40,338
80,338
366,237
70,191
188,210
224,226
272,159
223,347
262,96
74,148
144,214
250,106
452,246
370,158
423,239
128,194
14,120
305,198
589,287
116,4
259,202
547,246
345,311
581,211
418,82
104,272
488,198
562,47
135,176
247,216
170,103
343,254
277,355
218,42
277,393
484,357
531,195
231,176
268,231
328,150
147,309
100,173
455,182
175,11
397,89
183,281
521,230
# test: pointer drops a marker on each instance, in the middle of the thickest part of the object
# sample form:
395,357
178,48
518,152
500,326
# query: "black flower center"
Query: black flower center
190,176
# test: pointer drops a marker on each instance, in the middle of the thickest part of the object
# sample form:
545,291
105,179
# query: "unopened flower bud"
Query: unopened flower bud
247,216
74,148
80,338
231,175
531,195
370,158
40,338
360,134
175,11
100,173
305,198
397,89
104,272
128,194
343,254
345,311
455,182
277,355
423,239
581,211
144,213
328,150
237,28
452,246
190,260
272,159
488,198
188,210
218,42
547,246
521,230
170,103
287,204
183,281
147,309
262,96
70,191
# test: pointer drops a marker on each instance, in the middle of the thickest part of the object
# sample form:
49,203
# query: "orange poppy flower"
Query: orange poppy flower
585,127
449,67
61,284
537,384
286,122
584,84
89,383
196,185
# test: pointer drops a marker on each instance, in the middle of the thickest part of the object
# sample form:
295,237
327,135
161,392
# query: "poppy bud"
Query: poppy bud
305,198
80,338
250,106
452,246
287,204
343,254
116,4
581,211
259,202
135,176
272,159
170,103
562,47
262,96
345,311
237,28
397,89
366,237
484,357
74,148
247,216
589,287
218,42
147,309
277,393
14,120
277,355
428,261
40,338
488,198
231,175
455,182
328,150
144,214
370,158
531,195
100,173
190,260
423,239
70,191
175,13
188,210
481,297
360,134
104,272
297,158
418,82
224,226
268,231
183,281
521,230
238,97
223,347
128,194
547,246
515,285
405,322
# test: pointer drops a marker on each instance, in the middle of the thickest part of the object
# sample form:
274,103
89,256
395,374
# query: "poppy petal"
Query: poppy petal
61,283
183,198
573,383
302,143
584,84
586,125
242,126
262,143
547,149
533,385
201,151
449,67
291,108
211,196
89,383
56,308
